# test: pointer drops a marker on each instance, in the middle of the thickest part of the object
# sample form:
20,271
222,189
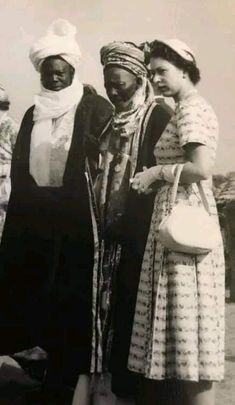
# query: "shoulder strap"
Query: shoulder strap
176,184
203,197
175,188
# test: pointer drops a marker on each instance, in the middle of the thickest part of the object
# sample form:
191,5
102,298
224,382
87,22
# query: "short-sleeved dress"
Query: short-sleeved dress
178,329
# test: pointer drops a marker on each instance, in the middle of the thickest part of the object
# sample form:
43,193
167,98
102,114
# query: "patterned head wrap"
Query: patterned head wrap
126,55
59,40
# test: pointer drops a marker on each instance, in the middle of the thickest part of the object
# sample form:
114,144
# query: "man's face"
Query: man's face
120,86
56,74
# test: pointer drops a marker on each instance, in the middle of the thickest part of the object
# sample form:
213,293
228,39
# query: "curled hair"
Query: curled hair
146,48
160,50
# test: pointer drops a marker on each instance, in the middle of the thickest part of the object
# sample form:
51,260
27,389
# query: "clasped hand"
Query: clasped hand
142,181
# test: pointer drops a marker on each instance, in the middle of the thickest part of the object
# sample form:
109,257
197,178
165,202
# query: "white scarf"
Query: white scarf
3,115
49,105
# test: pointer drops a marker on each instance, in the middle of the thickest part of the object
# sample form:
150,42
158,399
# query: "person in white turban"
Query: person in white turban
56,56
49,247
59,40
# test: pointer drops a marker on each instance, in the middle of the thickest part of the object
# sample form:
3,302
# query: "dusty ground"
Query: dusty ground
11,374
226,390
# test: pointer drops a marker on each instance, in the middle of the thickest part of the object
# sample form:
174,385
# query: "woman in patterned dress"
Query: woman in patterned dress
178,330
8,134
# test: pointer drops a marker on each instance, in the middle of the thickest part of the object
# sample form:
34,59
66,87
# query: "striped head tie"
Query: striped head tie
126,55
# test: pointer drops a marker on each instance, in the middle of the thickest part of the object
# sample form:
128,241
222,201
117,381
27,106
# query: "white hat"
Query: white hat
181,48
3,94
60,40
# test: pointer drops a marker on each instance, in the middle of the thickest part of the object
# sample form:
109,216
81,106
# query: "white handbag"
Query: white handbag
189,229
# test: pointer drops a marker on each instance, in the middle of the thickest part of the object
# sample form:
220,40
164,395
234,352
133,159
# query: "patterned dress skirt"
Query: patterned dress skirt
178,329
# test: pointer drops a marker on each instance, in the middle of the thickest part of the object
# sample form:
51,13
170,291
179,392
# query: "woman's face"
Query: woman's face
166,76
120,86
56,74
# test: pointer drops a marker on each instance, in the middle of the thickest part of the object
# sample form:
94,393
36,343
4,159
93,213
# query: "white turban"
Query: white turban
3,94
60,40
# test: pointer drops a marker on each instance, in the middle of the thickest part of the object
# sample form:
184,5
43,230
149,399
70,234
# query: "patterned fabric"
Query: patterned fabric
124,123
119,148
125,55
114,180
178,329
96,343
119,151
8,134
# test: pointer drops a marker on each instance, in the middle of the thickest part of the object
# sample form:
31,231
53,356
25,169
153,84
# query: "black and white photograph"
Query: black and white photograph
117,202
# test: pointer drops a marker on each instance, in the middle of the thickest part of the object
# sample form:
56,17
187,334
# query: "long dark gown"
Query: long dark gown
47,251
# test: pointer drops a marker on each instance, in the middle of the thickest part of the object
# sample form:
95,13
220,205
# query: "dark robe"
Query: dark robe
133,239
47,251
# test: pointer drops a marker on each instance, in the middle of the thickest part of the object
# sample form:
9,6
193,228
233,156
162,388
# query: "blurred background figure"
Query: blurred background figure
8,134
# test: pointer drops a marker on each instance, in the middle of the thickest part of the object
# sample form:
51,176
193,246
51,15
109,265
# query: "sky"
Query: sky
207,26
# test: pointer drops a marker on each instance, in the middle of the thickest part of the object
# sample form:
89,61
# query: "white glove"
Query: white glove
143,180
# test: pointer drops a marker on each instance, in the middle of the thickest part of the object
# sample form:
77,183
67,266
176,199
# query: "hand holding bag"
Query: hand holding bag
189,229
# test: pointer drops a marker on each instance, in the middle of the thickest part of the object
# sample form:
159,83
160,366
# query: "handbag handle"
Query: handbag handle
175,189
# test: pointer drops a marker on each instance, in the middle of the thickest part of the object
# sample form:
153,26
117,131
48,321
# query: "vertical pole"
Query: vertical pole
230,232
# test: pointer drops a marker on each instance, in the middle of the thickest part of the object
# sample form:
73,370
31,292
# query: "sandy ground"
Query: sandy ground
226,390
11,375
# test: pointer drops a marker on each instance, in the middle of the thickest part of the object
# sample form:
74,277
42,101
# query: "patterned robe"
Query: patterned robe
125,226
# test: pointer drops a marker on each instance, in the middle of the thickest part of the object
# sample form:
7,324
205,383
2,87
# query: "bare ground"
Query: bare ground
226,390
11,374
